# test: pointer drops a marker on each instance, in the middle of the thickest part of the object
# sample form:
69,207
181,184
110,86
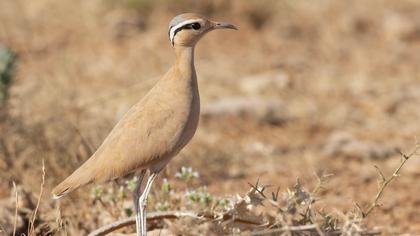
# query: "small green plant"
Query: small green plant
166,186
222,202
131,183
200,196
186,174
96,192
162,206
7,63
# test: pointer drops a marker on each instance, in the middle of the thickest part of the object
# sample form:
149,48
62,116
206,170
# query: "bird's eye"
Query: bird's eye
196,26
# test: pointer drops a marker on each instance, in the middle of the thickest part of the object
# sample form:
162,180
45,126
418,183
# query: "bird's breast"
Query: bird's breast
186,111
192,119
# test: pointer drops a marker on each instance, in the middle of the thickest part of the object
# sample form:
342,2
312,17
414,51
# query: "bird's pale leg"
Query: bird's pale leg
143,203
136,196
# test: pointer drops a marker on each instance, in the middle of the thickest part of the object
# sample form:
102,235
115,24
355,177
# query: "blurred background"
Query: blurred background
304,88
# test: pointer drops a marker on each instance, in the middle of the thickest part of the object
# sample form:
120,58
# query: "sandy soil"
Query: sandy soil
335,89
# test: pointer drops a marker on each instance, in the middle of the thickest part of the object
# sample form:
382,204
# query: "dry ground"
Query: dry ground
345,78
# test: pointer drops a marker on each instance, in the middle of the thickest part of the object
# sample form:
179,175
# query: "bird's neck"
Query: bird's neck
185,59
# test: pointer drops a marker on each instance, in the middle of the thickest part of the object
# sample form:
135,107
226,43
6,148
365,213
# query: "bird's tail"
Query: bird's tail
80,177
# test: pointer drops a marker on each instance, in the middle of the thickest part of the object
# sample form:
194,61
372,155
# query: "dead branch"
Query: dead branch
16,208
152,216
385,181
307,228
32,221
291,229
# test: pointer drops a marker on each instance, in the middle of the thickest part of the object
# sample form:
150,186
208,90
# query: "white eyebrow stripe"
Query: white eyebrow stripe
174,28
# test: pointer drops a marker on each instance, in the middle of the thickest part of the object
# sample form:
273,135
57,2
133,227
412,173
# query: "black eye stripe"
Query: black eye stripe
195,26
179,29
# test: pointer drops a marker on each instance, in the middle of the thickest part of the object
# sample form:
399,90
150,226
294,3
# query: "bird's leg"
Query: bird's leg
143,202
136,197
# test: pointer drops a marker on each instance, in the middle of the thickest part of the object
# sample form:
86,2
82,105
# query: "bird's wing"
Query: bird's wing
148,133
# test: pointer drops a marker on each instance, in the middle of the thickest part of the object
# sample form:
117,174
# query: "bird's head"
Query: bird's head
186,29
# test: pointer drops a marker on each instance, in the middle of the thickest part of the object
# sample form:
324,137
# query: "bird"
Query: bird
155,129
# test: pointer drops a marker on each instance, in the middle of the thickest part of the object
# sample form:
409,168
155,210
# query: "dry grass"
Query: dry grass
348,79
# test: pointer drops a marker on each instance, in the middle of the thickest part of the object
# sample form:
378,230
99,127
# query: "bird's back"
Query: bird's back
149,134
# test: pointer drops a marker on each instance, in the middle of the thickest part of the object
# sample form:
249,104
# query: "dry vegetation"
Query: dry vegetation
304,89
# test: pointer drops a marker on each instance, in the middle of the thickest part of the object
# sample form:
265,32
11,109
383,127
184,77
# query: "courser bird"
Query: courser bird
155,129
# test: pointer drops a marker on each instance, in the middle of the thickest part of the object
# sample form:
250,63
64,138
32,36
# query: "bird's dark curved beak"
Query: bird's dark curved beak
224,25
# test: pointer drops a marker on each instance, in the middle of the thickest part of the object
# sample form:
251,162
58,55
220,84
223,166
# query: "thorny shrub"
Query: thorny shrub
258,210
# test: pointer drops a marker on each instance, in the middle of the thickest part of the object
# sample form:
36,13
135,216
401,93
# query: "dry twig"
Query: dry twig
32,221
16,208
385,181
150,217
290,229
313,228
